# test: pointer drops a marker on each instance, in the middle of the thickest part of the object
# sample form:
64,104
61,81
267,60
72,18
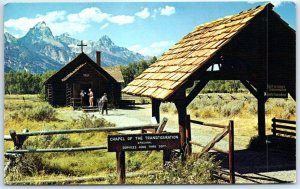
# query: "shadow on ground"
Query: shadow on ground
272,158
131,108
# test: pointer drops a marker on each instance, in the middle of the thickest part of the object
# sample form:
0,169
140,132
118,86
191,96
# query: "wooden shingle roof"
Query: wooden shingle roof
174,67
115,72
76,64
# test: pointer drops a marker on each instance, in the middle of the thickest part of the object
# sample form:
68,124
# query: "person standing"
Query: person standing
91,99
104,103
82,93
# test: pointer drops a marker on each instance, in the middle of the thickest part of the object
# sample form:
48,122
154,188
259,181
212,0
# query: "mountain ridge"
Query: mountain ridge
39,50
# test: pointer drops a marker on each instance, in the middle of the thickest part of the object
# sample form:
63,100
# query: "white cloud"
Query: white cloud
121,19
88,15
155,49
104,26
23,24
60,21
167,10
72,27
143,14
276,3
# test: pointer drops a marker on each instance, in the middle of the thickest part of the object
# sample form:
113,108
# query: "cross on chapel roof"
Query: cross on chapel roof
81,45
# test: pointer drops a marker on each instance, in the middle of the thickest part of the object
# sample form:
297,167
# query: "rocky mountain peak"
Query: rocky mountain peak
41,25
39,32
106,41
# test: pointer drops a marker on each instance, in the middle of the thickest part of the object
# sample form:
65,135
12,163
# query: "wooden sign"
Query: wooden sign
139,142
277,91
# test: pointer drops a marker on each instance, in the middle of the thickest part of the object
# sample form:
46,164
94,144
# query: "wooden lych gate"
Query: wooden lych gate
255,46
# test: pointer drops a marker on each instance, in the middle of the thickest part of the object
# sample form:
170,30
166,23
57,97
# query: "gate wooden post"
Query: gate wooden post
166,156
274,126
182,126
231,152
261,115
155,109
121,167
188,135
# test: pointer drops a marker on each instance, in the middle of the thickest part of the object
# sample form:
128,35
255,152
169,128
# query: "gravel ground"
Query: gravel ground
251,167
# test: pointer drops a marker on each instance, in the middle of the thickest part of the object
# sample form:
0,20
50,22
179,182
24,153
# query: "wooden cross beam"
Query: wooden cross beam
81,45
195,91
250,87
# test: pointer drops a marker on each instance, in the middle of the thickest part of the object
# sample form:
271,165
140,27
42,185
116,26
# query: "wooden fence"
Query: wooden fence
19,138
227,129
281,127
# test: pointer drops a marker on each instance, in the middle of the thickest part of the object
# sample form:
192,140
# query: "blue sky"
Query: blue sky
149,28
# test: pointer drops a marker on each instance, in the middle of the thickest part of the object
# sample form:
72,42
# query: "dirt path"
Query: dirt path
251,167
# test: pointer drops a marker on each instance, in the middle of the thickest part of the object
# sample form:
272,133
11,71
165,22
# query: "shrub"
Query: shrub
196,114
257,143
38,142
232,108
168,107
164,108
193,171
27,165
144,101
90,121
291,107
43,113
252,108
207,112
280,103
63,141
286,114
133,165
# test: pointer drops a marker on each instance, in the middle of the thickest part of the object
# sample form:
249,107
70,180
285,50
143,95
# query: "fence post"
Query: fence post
274,126
166,156
231,152
121,167
18,140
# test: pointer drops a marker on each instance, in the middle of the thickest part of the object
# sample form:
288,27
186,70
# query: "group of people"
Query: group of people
103,102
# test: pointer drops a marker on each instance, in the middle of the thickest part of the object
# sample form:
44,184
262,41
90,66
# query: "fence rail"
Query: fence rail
74,149
87,130
208,124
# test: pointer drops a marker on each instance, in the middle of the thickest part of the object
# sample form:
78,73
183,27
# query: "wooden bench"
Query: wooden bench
75,102
124,103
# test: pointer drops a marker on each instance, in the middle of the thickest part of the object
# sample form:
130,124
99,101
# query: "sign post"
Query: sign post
121,166
140,142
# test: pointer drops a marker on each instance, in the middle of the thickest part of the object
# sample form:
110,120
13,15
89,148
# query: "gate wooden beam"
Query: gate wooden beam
199,86
250,87
261,100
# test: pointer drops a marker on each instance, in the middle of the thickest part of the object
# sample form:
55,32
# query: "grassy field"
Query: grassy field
240,107
29,112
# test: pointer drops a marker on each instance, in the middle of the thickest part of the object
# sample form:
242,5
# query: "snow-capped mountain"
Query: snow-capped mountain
39,50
